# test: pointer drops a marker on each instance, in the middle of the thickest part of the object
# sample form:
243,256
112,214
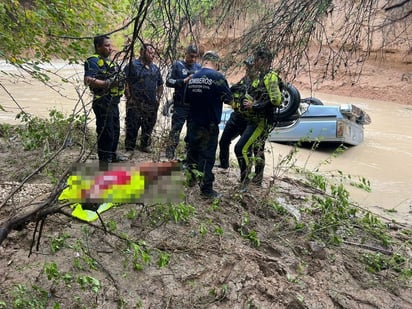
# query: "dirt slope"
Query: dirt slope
386,77
249,250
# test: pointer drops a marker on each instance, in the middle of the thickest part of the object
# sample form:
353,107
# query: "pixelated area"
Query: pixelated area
167,189
155,182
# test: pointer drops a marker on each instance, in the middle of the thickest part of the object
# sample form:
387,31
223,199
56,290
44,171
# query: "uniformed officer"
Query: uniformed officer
237,122
178,77
145,89
265,96
206,92
106,82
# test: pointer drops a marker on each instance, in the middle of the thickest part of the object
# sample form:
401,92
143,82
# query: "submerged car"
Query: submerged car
323,123
309,120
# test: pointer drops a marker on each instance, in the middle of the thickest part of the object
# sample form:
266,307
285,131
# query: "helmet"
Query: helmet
264,53
249,61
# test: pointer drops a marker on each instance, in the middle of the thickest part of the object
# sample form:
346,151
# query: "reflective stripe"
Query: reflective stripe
89,215
252,139
115,92
101,62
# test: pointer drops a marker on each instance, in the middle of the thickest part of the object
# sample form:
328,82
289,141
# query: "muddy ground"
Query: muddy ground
270,247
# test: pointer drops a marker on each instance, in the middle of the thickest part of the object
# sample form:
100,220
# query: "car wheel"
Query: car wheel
290,103
167,110
312,101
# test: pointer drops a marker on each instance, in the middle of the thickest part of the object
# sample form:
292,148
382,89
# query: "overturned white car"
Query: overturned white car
309,120
324,123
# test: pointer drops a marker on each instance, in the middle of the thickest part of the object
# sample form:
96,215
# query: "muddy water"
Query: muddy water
384,158
36,98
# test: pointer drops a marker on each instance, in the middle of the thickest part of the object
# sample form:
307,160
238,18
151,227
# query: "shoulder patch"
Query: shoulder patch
100,62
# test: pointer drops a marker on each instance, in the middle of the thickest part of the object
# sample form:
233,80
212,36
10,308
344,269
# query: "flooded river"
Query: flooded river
384,158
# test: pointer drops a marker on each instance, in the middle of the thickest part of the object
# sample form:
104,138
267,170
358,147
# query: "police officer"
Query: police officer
105,80
206,92
265,96
238,118
178,77
145,88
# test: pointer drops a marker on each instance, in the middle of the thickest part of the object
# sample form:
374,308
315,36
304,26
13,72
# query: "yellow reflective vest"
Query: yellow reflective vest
270,91
106,69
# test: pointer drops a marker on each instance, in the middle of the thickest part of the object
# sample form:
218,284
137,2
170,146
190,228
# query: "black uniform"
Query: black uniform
180,70
105,106
237,121
266,95
206,92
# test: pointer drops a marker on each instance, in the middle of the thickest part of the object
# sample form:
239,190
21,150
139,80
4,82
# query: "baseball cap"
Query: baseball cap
210,55
192,49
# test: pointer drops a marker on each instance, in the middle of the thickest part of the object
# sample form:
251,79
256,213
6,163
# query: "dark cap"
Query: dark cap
264,53
192,49
210,55
249,61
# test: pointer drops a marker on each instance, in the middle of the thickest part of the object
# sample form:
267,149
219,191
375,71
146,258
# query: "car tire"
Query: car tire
312,101
290,103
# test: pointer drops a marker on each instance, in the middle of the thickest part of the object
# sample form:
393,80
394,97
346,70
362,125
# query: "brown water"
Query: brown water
384,158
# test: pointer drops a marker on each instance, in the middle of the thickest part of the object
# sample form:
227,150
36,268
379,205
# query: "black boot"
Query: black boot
258,178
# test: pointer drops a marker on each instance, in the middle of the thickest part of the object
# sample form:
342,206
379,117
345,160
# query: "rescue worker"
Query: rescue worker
238,118
145,89
178,77
106,82
206,92
265,97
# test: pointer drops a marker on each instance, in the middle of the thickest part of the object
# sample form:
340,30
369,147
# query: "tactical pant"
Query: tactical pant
233,128
253,141
180,114
106,110
202,144
139,115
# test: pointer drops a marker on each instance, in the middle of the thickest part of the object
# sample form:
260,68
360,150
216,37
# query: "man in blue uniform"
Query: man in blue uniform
178,77
144,90
206,92
107,84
